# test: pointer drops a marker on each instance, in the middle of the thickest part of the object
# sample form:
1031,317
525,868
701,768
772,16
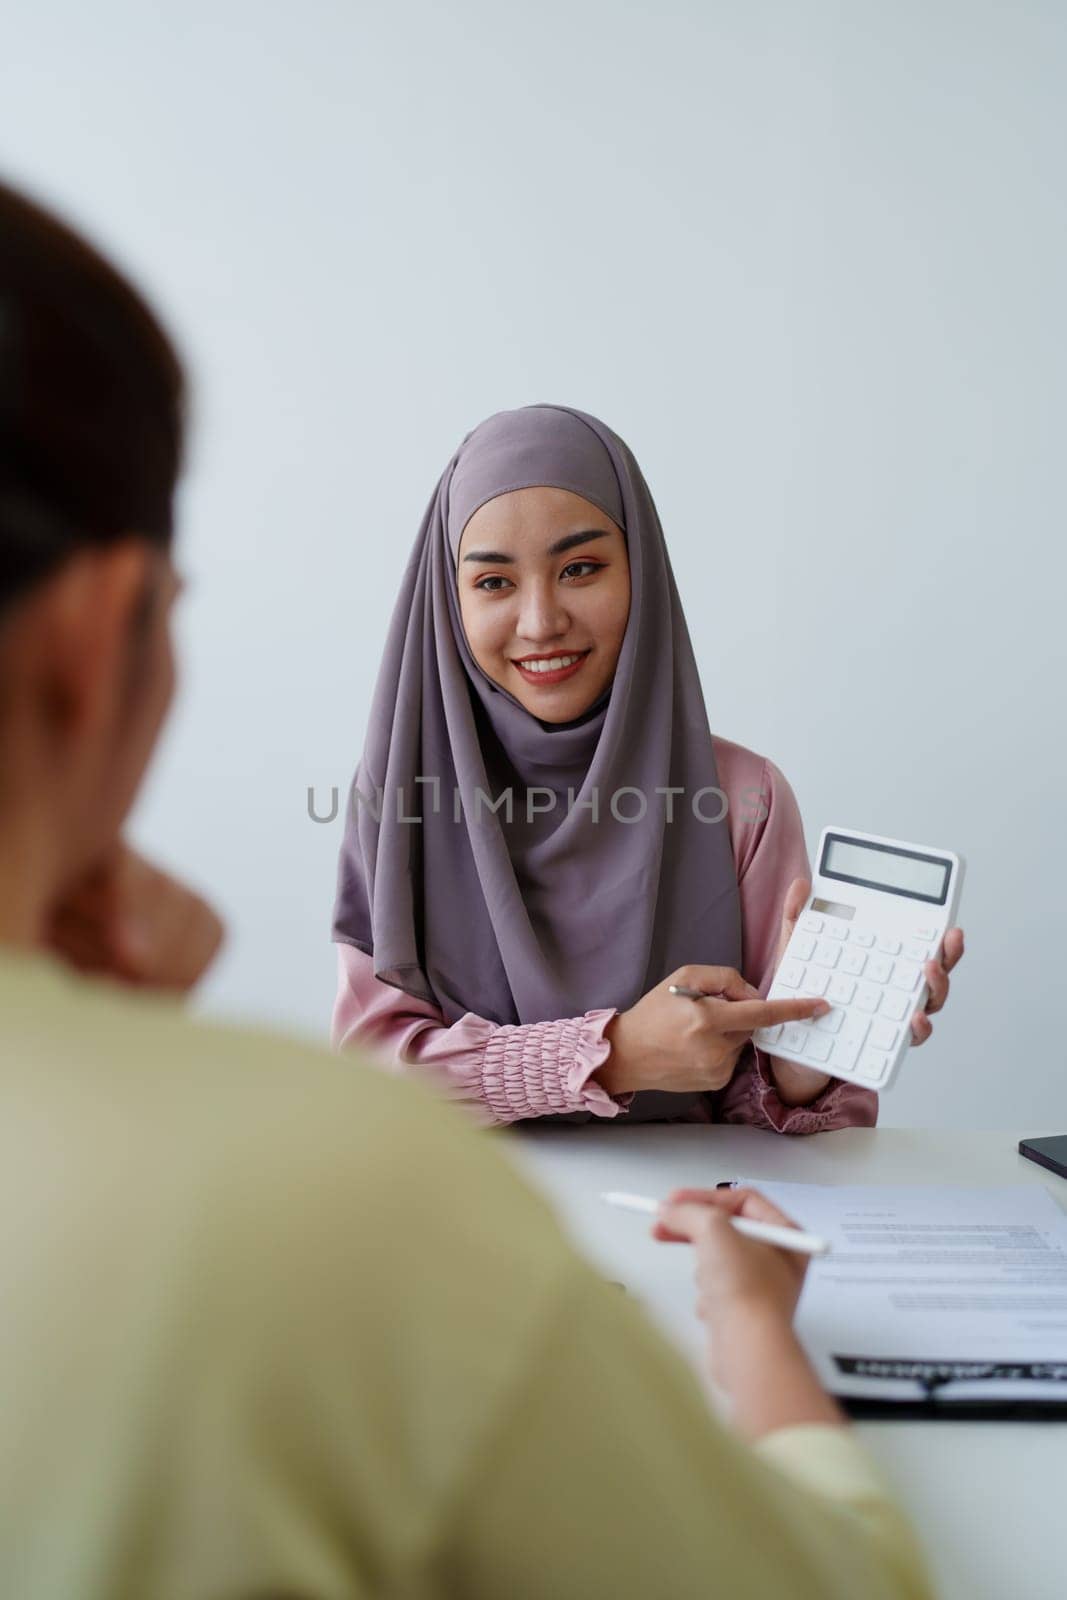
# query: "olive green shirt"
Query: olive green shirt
276,1324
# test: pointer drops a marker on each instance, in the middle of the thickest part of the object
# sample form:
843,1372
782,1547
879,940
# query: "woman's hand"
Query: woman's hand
671,1043
796,1085
747,1293
936,975
129,920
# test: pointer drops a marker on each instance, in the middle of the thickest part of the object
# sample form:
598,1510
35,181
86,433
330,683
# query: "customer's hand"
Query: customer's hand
131,921
747,1293
734,1275
668,1042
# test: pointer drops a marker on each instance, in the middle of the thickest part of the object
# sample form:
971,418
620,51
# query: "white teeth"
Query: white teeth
552,665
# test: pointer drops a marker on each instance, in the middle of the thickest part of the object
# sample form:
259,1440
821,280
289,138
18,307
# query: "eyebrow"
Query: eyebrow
568,542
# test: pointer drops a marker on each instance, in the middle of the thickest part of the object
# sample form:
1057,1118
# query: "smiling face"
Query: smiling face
544,593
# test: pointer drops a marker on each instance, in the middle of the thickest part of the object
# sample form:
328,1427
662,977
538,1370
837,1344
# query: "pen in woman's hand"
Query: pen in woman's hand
777,1010
786,1238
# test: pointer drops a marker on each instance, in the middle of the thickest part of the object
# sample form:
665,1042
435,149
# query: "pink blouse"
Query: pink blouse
505,1073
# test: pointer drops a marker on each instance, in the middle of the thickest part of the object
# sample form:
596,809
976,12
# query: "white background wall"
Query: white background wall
807,257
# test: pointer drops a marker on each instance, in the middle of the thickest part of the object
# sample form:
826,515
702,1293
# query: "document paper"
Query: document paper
957,1295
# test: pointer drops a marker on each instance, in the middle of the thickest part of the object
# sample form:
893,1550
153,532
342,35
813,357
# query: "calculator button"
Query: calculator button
794,1037
917,952
811,923
853,961
844,1054
841,989
927,935
889,945
895,1005
906,975
879,969
817,1046
827,953
868,996
815,981
789,974
862,936
883,1035
835,929
802,946
831,1021
872,1065
855,1027
766,1038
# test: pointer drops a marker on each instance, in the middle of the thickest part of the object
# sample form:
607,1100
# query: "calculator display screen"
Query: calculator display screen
879,866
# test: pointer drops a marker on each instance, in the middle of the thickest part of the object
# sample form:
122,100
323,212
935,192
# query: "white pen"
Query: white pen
805,1244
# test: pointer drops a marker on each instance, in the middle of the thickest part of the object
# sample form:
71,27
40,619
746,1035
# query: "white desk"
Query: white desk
989,1498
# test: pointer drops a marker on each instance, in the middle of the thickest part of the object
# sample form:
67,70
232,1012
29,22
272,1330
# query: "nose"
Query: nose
542,614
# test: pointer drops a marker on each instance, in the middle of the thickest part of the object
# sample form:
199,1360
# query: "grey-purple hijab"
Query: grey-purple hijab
573,907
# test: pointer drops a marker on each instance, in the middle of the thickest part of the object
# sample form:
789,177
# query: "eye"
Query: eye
490,583
581,569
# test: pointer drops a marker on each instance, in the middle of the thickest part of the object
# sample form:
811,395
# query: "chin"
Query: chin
554,716
548,706
560,710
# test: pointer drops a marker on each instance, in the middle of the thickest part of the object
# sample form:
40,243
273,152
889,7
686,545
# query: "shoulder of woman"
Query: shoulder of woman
754,788
741,769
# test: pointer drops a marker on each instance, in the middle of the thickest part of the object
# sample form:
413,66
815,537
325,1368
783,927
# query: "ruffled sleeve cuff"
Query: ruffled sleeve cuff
541,1069
752,1098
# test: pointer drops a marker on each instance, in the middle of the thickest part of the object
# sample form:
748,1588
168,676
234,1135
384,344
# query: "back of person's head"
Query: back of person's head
91,424
91,398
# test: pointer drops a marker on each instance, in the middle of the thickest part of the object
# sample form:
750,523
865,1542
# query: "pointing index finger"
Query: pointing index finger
745,1016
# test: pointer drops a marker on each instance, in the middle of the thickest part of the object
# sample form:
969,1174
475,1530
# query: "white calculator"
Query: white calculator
878,909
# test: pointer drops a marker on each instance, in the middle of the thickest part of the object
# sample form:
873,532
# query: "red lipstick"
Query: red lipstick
543,678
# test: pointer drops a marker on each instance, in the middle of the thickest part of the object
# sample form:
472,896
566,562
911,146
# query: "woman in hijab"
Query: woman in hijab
543,835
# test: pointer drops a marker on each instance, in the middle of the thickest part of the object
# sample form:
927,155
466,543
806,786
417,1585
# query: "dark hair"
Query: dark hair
91,402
